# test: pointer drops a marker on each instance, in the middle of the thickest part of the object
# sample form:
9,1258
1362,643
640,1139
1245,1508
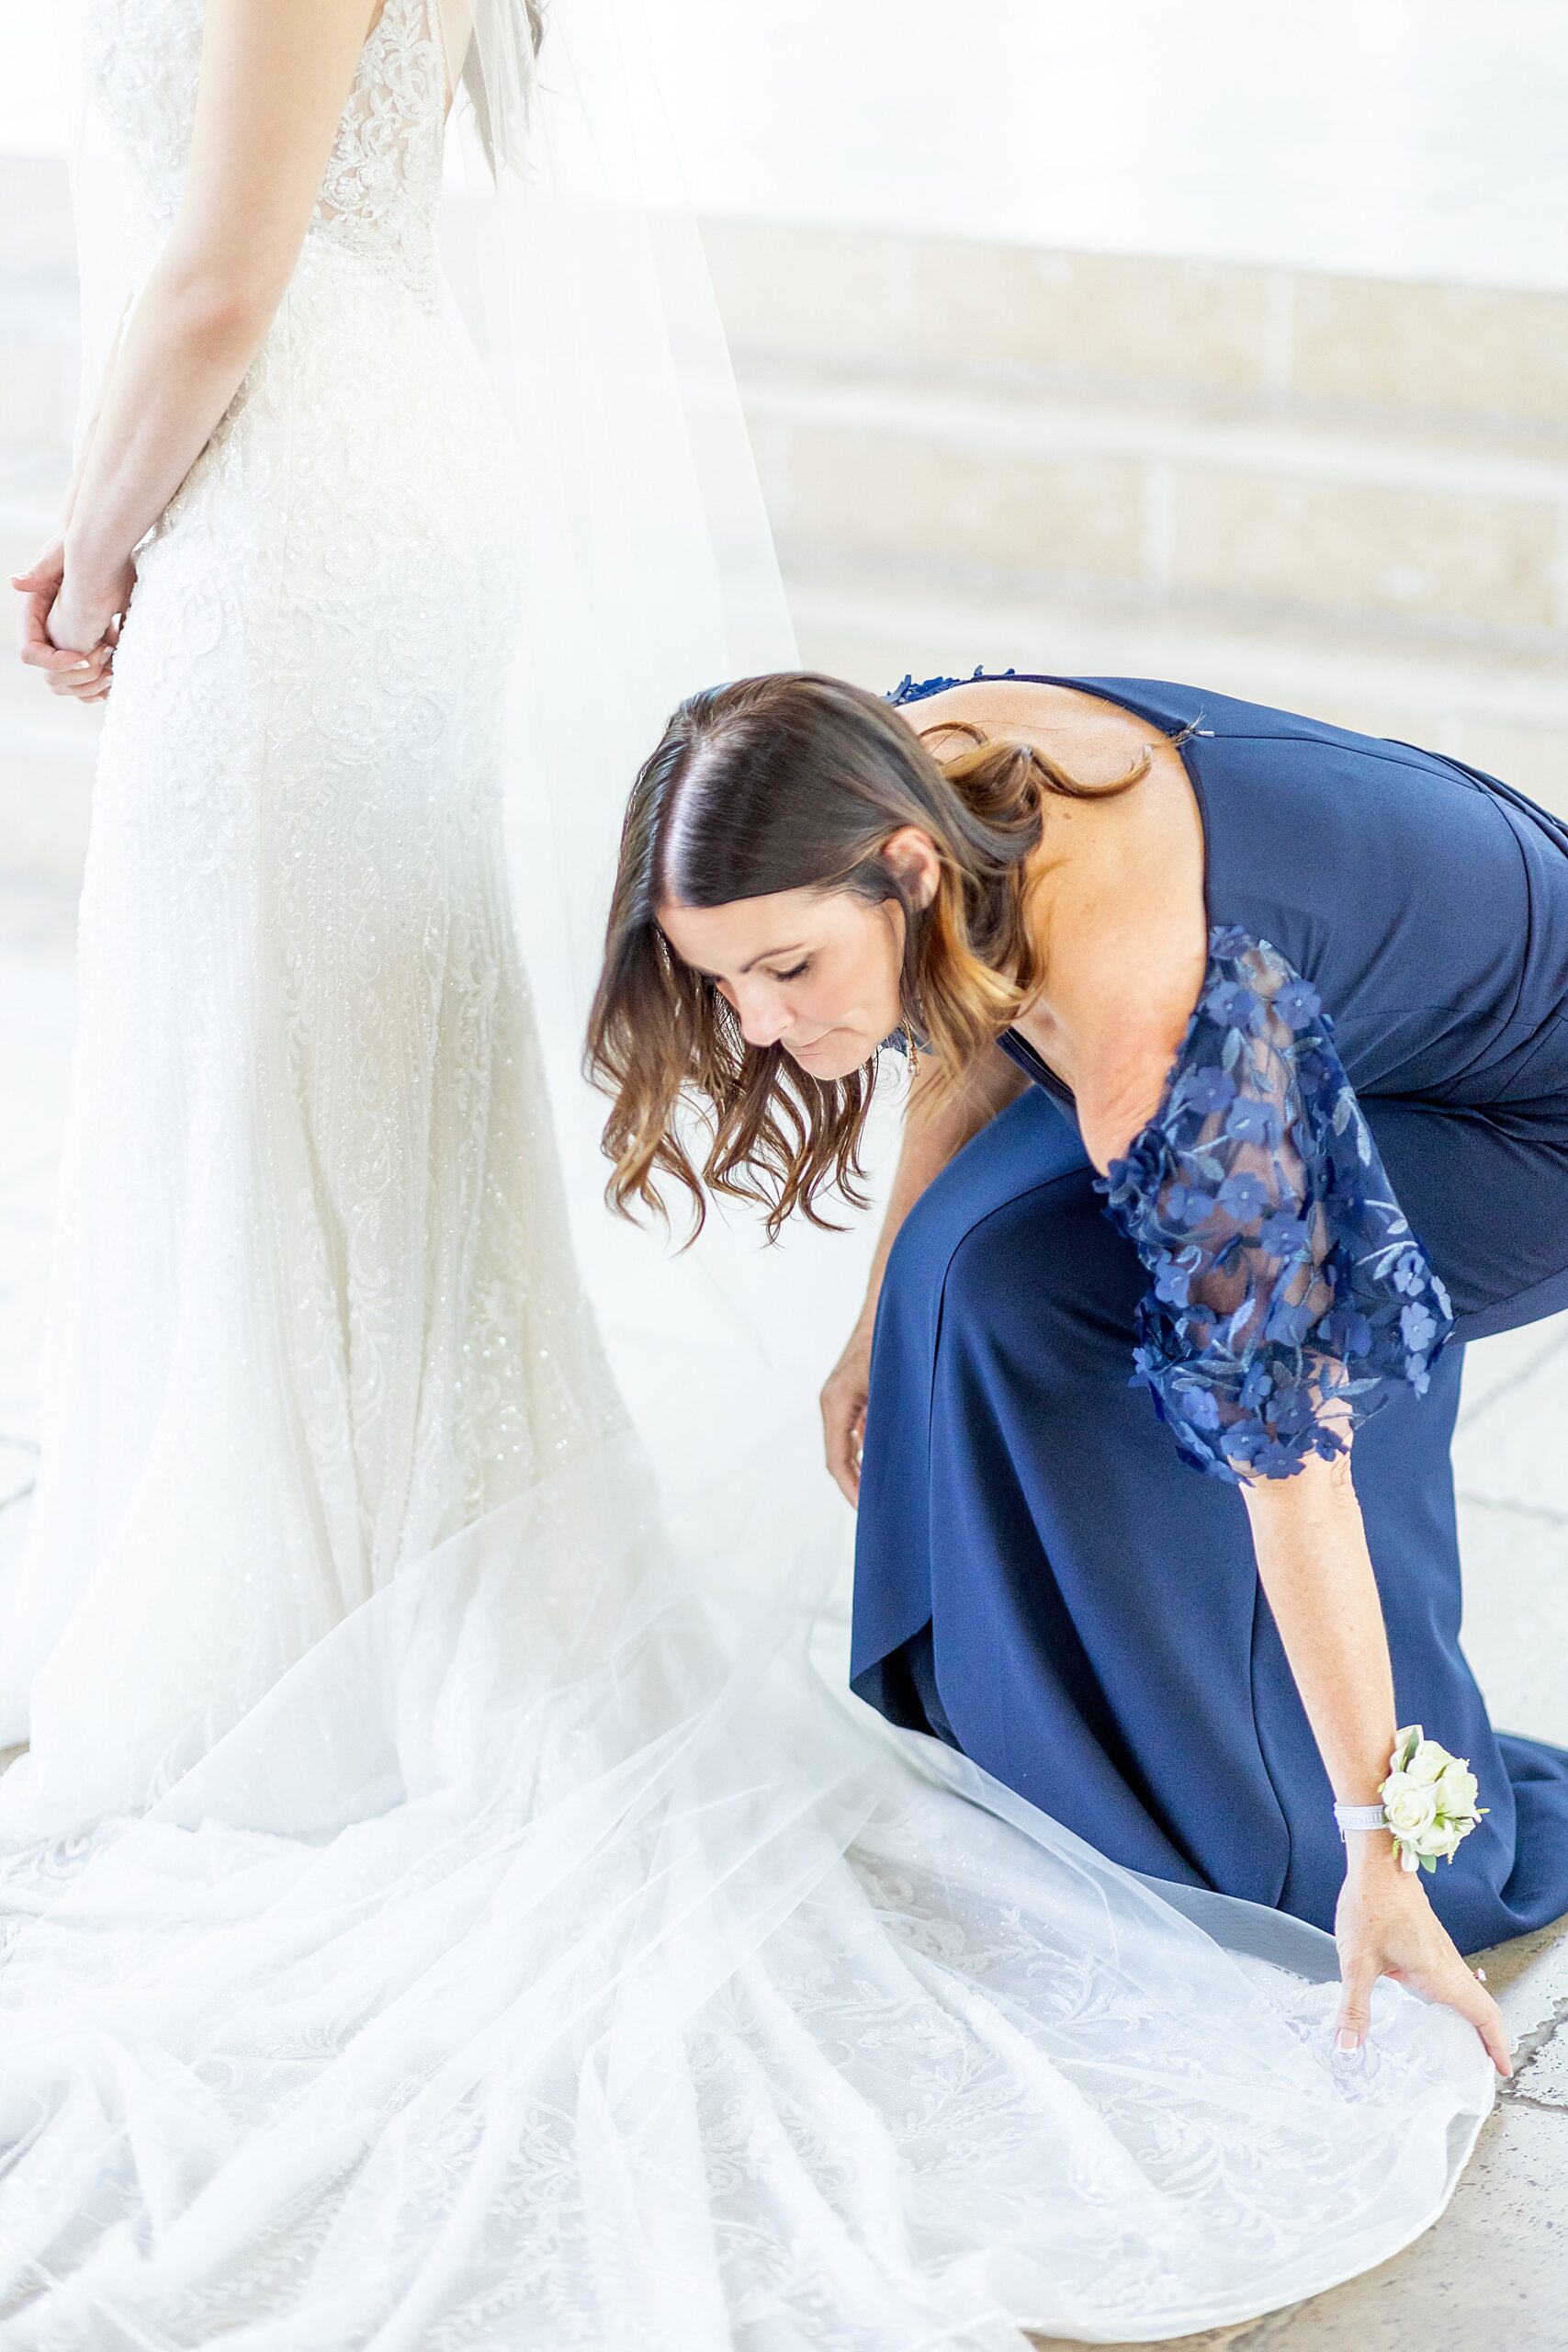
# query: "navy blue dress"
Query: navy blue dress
1359,1162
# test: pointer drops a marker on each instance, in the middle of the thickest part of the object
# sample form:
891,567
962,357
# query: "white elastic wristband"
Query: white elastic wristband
1359,1816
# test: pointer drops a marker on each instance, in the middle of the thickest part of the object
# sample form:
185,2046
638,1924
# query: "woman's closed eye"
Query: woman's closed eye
797,973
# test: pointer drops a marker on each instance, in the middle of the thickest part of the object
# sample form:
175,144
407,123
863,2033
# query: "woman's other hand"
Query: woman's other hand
1384,1925
70,639
844,1398
85,614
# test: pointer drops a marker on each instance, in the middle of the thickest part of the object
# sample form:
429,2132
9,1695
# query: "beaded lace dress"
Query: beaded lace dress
424,1927
313,1307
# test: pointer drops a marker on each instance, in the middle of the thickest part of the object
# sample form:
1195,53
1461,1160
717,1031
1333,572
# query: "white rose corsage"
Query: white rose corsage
1428,1800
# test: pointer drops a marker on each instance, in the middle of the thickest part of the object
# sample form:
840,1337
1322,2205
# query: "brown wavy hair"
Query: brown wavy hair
796,781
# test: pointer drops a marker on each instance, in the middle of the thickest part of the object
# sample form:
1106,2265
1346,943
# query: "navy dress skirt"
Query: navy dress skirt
1360,1163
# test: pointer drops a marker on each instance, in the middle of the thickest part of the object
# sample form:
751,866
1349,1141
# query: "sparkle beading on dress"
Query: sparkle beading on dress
382,182
335,1234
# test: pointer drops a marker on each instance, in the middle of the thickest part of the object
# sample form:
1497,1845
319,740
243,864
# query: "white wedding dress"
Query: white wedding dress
424,1929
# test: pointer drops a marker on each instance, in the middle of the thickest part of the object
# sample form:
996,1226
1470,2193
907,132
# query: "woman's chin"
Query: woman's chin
833,1056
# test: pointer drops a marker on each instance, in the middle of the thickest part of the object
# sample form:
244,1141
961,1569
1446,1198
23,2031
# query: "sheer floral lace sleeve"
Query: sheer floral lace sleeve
1289,1295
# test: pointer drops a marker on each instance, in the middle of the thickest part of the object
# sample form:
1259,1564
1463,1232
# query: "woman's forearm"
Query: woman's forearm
182,353
931,1137
1315,1569
274,82
68,504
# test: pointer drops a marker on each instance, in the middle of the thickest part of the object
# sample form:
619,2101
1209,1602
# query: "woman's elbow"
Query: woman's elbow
218,307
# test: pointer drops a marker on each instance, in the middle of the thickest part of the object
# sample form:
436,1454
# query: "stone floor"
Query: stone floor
1494,2270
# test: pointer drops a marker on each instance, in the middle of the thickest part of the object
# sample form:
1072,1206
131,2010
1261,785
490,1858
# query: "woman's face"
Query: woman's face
814,971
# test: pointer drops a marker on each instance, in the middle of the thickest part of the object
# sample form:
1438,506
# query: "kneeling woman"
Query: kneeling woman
1240,1102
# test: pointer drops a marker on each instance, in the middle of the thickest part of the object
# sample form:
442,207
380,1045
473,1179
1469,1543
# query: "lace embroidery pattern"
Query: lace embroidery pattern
333,1239
382,181
1290,1297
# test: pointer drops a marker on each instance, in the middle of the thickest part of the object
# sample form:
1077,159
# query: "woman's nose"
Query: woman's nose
764,1019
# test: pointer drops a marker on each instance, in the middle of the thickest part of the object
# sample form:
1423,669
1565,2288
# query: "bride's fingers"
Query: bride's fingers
83,684
39,651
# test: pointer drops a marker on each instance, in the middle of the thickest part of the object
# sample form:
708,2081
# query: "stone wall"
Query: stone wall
1342,494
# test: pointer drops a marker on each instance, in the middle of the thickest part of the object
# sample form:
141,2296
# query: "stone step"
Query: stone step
799,292
1450,534
1504,713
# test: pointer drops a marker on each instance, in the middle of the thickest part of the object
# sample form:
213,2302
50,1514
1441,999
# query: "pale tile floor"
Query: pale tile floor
1494,2271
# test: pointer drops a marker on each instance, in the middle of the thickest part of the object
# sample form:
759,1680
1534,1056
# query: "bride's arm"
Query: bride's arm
275,77
79,677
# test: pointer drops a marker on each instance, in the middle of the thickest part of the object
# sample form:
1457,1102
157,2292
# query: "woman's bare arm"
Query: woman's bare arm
1310,1544
76,676
933,1132
275,77
1311,1547
68,504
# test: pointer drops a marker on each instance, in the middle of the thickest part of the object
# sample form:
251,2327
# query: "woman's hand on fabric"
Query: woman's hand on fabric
844,1396
1384,1925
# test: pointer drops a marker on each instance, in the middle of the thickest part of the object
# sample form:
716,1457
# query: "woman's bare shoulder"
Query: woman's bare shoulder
1128,947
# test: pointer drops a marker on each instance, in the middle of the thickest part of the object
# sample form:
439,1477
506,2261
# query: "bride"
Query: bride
431,1922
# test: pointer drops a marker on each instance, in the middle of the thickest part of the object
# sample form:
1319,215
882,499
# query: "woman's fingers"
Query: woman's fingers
1358,1968
1458,1988
843,1462
44,574
843,1423
34,647
80,676
843,1403
85,678
39,649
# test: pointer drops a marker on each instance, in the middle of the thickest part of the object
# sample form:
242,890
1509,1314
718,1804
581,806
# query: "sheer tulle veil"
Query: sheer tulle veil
650,569
553,1957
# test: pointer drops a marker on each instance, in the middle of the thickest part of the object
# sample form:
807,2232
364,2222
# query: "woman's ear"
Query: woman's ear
912,854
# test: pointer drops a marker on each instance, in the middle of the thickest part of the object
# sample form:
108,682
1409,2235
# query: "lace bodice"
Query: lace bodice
382,181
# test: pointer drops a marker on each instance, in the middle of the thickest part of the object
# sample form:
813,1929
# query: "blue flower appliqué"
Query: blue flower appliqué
907,689
1289,1293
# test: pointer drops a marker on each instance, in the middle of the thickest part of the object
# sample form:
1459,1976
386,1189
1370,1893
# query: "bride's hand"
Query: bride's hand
844,1396
83,676
1385,1926
67,633
85,615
